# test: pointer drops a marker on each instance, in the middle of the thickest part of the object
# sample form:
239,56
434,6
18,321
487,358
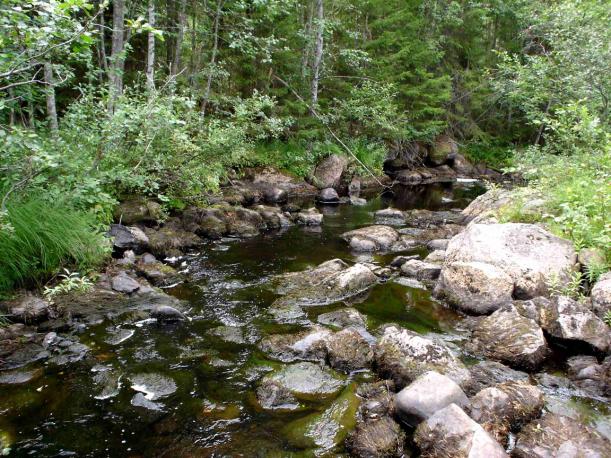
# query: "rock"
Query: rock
490,373
166,313
328,283
450,433
511,338
354,188
243,222
323,432
567,319
286,313
274,396
372,238
328,172
138,210
118,336
484,207
153,385
402,356
123,283
462,166
424,219
231,334
503,408
420,270
443,149
426,395
438,244
408,177
398,261
442,174
437,256
358,201
268,177
170,240
128,259
107,382
474,287
275,196
601,295
328,196
309,217
589,376
390,216
272,216
531,256
308,345
591,258
19,376
343,318
559,436
28,308
128,238
381,437
140,400
306,381
158,273
348,351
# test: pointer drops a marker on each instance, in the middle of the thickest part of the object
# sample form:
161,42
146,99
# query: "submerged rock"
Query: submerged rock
330,282
426,395
304,380
505,407
107,381
19,376
153,385
323,432
272,395
231,334
402,356
511,338
450,433
373,238
309,345
391,216
343,318
559,436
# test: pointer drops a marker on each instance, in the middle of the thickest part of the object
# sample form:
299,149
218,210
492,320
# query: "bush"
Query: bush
38,237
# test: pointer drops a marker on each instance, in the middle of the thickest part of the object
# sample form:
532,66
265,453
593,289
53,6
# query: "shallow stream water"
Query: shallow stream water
211,411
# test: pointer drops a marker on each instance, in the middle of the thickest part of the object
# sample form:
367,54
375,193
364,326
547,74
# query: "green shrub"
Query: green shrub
38,237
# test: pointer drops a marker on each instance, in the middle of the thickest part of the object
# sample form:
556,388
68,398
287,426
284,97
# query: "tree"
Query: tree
117,57
150,53
318,52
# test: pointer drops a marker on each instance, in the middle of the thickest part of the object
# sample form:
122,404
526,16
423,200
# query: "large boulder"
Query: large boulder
511,338
601,295
532,257
402,356
138,210
559,436
330,282
450,433
474,287
426,395
484,207
505,407
374,238
328,172
128,238
171,240
566,319
443,149
349,351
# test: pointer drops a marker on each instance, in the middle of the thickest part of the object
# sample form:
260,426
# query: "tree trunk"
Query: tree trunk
307,29
50,94
150,53
318,50
182,20
117,58
102,43
215,46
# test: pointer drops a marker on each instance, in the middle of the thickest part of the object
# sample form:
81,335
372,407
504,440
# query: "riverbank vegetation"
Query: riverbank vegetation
102,100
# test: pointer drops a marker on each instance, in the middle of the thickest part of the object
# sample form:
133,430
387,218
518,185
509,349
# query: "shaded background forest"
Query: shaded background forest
100,100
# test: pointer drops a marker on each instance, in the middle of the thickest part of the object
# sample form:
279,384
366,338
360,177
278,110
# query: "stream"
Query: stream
205,376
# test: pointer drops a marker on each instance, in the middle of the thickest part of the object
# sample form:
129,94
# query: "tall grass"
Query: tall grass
38,237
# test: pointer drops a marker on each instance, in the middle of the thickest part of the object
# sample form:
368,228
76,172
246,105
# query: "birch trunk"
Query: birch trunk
182,20
215,47
318,50
150,54
50,94
117,58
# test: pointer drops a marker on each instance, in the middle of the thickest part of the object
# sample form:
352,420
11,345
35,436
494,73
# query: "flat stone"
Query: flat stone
343,318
